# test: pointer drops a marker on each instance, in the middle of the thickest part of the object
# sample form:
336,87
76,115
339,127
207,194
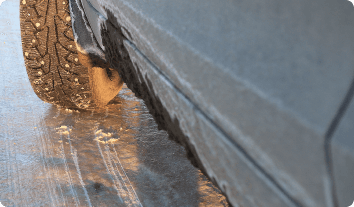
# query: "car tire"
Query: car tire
58,72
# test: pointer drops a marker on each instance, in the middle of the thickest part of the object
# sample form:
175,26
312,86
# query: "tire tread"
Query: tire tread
50,54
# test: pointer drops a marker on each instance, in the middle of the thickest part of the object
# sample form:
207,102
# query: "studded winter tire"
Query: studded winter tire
58,73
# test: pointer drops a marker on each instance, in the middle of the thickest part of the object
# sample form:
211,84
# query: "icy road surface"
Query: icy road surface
50,156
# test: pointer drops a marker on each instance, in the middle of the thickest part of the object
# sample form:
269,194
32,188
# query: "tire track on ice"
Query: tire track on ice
76,162
73,192
125,190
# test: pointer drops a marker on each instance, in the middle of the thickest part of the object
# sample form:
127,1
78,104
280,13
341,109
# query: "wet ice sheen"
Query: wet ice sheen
52,156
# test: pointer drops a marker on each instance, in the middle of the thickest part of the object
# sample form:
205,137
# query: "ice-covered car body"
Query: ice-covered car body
258,91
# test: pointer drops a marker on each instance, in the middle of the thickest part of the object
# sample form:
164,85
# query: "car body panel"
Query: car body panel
271,80
343,156
239,178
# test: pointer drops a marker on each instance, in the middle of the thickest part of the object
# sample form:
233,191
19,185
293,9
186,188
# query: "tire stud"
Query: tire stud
42,62
24,2
68,18
38,24
26,54
67,65
76,59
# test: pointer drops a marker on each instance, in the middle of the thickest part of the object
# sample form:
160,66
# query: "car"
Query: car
259,93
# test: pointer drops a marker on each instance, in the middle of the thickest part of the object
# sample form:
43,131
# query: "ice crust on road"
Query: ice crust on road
50,156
